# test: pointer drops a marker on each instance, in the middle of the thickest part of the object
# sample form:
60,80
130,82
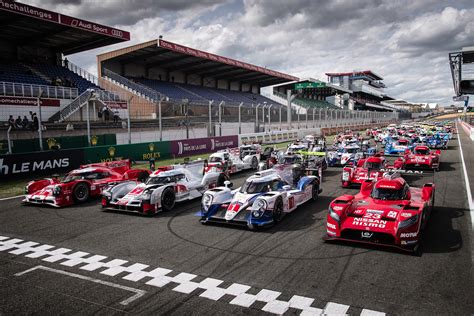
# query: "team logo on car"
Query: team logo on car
366,234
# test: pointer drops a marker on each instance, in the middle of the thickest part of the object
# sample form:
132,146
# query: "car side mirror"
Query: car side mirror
228,184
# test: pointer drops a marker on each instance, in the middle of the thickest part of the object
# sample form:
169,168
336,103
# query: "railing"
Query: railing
136,88
71,108
81,72
32,90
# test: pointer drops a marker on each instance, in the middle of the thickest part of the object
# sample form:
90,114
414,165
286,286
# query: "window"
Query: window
388,194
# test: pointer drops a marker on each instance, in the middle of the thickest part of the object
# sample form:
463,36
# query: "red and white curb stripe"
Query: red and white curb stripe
160,277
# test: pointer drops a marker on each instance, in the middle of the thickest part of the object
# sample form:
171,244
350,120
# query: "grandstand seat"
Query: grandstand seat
53,71
18,73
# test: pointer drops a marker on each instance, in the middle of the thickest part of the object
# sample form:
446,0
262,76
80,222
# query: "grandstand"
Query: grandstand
162,71
33,44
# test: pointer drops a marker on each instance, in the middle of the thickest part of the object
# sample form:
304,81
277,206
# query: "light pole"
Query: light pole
220,117
306,118
263,115
289,98
240,117
128,120
256,118
270,117
40,127
279,110
92,98
314,120
210,118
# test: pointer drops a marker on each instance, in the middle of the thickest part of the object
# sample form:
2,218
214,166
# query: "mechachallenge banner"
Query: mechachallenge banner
189,147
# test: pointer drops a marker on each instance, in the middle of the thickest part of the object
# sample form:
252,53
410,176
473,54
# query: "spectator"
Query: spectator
35,125
106,113
25,122
11,122
18,122
66,63
116,116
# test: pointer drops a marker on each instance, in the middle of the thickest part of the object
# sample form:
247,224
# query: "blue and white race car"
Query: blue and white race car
436,142
398,147
345,155
262,200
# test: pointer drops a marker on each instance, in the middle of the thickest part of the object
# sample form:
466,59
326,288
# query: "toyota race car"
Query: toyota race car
387,212
262,200
163,189
81,184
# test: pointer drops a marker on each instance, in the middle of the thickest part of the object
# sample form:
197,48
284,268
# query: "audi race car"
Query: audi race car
398,147
262,200
367,168
81,184
236,159
387,212
162,189
421,157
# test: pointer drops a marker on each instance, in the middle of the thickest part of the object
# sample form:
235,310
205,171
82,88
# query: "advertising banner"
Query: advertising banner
93,27
24,9
39,163
135,152
189,147
25,101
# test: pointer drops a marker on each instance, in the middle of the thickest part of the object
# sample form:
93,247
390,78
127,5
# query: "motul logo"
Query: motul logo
404,235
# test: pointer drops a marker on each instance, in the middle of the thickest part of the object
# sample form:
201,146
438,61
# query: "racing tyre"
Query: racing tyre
254,164
81,192
278,211
315,192
168,199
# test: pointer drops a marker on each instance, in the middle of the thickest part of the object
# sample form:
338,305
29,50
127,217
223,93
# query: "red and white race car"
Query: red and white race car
387,212
366,168
421,157
81,184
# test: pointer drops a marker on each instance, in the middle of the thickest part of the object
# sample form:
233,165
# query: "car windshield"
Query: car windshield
373,165
215,159
387,194
351,150
164,179
251,187
83,175
423,151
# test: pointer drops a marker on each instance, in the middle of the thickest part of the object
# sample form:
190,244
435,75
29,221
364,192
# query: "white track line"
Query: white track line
138,293
466,180
12,197
184,283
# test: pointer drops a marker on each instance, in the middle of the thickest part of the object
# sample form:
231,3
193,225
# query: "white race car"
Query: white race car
162,189
262,200
236,159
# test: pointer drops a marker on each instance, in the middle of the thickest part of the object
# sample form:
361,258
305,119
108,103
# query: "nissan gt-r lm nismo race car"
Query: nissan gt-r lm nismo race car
162,189
262,200
81,184
387,212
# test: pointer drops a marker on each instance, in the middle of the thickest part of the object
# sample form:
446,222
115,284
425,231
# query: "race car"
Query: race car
387,212
236,159
347,154
81,184
367,168
163,188
421,157
436,142
398,147
262,200
296,146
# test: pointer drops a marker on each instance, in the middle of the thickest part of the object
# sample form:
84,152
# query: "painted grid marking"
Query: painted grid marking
160,277
138,293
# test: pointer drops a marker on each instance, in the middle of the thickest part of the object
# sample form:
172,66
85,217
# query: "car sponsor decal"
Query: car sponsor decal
369,222
404,214
332,226
405,235
392,214
374,211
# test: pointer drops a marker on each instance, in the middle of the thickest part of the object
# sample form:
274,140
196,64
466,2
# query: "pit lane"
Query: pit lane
290,257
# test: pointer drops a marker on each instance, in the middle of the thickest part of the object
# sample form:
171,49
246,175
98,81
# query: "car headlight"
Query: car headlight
206,202
345,175
57,190
146,195
261,206
408,222
334,215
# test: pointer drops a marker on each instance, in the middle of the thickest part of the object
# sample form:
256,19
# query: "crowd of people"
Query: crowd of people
25,123
106,113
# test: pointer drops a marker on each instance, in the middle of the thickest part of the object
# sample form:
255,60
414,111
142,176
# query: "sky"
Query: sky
405,41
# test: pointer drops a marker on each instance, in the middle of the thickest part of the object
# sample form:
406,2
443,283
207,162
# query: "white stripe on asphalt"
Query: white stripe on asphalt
160,277
138,293
368,312
466,181
11,197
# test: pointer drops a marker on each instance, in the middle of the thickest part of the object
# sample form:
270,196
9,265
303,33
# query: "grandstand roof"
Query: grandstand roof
369,73
175,57
23,24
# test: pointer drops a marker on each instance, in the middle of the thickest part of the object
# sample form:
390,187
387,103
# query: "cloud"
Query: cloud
404,41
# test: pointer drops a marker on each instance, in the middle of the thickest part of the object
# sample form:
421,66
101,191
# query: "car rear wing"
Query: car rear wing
311,153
